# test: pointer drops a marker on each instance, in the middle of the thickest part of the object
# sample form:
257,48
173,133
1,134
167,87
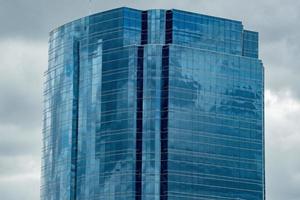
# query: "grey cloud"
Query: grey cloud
33,18
19,141
16,188
17,105
21,73
21,68
19,166
282,67
282,146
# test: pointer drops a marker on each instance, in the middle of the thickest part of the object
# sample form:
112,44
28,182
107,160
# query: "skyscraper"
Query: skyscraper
153,105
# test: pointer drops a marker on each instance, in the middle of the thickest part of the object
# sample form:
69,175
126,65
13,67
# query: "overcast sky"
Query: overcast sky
24,28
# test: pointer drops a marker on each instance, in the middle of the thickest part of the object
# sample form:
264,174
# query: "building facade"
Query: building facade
153,105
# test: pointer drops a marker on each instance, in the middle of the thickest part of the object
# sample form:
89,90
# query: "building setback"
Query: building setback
153,105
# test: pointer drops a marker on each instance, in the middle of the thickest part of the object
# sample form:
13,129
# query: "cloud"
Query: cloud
21,80
23,59
22,66
282,146
20,186
34,19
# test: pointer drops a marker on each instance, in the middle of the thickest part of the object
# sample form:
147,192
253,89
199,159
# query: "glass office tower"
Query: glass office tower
153,105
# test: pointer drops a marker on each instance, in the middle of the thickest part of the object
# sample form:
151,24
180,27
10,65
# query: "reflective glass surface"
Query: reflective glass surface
154,105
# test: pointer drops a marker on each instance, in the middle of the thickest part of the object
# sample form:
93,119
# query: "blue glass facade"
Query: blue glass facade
156,104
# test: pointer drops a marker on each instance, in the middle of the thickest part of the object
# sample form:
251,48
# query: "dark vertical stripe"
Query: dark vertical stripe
165,107
164,124
144,35
75,120
169,27
139,123
139,104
